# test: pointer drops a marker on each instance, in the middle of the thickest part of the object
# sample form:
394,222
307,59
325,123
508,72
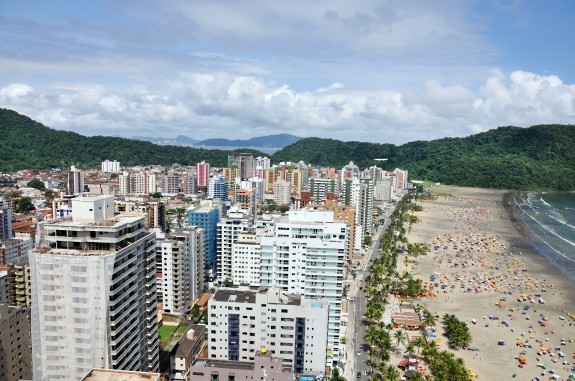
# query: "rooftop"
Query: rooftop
124,218
119,375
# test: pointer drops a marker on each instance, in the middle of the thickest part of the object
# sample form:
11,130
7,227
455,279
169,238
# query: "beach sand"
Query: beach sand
482,259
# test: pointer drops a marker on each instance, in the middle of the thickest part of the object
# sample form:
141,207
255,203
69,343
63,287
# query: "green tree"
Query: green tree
24,205
37,184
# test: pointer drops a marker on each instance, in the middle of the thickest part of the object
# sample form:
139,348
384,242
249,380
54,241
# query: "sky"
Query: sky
384,71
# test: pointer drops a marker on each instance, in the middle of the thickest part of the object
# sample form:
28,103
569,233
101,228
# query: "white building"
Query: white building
282,192
305,256
243,321
246,256
94,301
179,265
359,193
229,227
110,166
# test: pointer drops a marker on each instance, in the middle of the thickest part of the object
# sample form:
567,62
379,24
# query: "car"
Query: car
359,353
358,374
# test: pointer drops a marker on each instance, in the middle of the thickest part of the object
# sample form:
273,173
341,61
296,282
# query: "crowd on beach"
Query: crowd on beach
471,259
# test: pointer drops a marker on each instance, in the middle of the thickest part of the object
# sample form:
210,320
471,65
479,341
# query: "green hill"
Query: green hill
29,144
539,157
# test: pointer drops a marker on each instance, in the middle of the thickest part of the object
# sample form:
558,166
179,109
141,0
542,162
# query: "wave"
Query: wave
551,231
561,222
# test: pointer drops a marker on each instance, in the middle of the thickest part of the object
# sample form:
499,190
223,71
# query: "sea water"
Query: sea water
548,220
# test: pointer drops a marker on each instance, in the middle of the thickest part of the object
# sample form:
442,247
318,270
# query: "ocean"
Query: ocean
548,221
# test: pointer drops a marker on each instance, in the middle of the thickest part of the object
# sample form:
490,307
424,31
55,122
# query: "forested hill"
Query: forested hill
540,157
25,143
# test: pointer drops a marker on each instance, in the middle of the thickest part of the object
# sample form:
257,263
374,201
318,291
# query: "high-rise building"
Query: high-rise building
155,210
218,188
282,192
228,230
306,255
321,187
243,162
206,216
110,166
203,173
5,219
170,184
75,181
15,250
246,257
178,261
189,183
15,353
94,299
359,193
247,320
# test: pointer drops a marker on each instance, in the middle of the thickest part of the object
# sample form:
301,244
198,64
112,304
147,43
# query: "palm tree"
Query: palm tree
419,342
399,337
390,373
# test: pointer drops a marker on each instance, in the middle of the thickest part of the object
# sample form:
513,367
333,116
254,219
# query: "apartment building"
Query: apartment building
15,349
305,255
228,229
5,219
179,263
94,296
206,215
243,321
246,257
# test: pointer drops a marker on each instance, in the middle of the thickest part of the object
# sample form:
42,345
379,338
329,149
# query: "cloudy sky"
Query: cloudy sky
367,70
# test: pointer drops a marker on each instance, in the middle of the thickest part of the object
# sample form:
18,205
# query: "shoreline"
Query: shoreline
516,269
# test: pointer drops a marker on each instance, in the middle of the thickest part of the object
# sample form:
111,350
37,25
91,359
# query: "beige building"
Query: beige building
15,346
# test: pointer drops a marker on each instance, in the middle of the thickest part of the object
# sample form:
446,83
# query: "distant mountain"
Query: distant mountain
277,141
180,140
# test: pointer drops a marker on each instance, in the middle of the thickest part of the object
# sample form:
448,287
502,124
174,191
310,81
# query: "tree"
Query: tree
156,195
283,208
336,376
399,337
367,240
24,205
37,184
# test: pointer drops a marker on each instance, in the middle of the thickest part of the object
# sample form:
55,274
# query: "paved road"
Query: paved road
357,353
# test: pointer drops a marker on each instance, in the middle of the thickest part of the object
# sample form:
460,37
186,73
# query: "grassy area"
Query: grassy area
165,331
181,329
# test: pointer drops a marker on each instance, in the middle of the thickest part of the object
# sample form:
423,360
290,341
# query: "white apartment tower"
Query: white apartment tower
359,193
246,256
179,257
282,192
245,320
94,301
229,228
110,166
306,256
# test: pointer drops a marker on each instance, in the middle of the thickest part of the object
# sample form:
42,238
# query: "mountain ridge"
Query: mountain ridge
275,141
536,158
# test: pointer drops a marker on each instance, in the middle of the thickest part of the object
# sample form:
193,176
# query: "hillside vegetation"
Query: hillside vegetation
540,157
536,158
29,144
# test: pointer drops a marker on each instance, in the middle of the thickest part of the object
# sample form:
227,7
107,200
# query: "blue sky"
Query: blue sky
368,70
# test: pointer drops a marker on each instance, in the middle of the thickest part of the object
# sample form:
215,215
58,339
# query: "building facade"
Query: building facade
206,216
5,219
305,255
15,348
243,321
94,299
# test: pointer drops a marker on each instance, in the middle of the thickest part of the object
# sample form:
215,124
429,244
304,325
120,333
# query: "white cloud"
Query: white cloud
222,105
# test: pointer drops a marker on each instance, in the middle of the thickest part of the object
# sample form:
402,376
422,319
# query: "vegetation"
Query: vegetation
456,331
24,205
383,279
20,148
165,331
37,184
537,158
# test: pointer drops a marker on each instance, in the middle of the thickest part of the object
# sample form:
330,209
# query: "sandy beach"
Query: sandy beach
487,274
